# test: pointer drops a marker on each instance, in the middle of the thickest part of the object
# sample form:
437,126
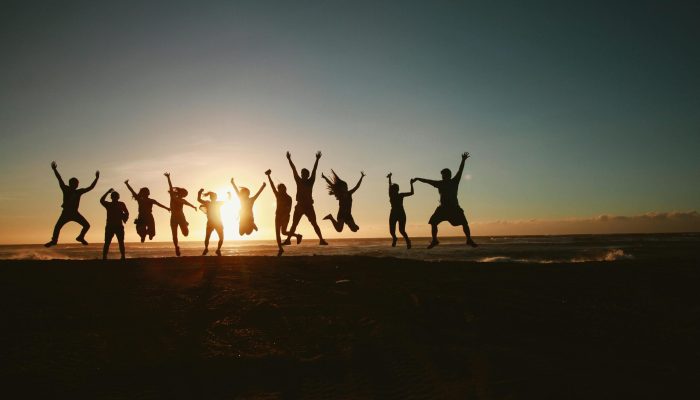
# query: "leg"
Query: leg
120,239
350,222
433,233
184,228
278,228
311,215
86,226
173,230
62,220
392,228
207,235
220,233
151,227
295,221
337,224
402,230
284,221
109,233
467,233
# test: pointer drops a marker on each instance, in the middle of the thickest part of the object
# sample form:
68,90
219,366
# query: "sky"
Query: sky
580,117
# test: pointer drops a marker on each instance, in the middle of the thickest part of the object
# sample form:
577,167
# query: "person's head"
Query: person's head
337,187
180,192
144,192
446,174
212,196
305,173
73,183
394,188
282,188
114,196
245,192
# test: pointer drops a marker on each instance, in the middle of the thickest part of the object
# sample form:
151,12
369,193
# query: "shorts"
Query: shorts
453,215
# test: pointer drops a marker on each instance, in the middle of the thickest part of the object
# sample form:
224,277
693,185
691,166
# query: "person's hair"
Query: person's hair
73,182
305,173
394,188
114,196
282,188
245,191
337,187
180,192
143,192
212,195
446,173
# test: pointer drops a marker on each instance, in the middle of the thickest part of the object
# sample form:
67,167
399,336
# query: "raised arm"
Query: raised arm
406,194
362,175
428,181
234,186
54,167
389,176
103,199
325,178
259,191
272,184
92,185
313,173
458,175
126,182
294,168
199,196
170,184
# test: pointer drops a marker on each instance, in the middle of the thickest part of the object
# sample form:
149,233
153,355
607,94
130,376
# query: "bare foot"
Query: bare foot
218,252
471,243
433,244
286,242
204,253
82,240
393,242
49,244
408,244
280,251
299,239
323,243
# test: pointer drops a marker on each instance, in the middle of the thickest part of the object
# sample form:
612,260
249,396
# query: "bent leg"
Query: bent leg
86,226
295,221
62,220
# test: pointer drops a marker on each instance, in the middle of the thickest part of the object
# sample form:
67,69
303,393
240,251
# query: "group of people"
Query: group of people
118,214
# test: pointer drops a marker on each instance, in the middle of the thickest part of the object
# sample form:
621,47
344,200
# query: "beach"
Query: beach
351,327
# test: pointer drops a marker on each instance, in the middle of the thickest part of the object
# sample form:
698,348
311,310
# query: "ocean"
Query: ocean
515,249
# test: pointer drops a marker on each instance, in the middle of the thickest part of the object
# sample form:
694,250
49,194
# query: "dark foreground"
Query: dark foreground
349,327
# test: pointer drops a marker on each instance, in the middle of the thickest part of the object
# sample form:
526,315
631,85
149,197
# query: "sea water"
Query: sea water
516,249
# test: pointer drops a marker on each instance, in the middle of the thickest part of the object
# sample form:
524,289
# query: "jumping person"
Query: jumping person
212,208
284,208
71,202
177,215
246,224
339,188
304,197
117,215
145,224
398,214
449,209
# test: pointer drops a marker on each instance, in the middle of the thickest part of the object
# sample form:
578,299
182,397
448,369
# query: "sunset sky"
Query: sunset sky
580,118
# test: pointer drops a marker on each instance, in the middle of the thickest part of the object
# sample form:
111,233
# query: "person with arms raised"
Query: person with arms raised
145,224
305,202
177,215
282,212
398,214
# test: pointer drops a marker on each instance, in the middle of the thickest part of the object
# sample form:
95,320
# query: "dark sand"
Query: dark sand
349,327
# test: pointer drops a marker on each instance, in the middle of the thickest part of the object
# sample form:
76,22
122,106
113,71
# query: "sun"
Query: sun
229,211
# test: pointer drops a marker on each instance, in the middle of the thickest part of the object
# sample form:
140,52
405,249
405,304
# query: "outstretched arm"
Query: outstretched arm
54,167
313,173
458,175
234,186
272,184
160,205
92,185
294,168
325,178
189,204
170,184
362,175
126,182
428,181
406,194
259,191
199,196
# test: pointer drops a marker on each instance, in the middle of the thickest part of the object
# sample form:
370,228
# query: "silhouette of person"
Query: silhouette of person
177,215
339,188
117,215
145,224
305,201
246,224
284,208
71,202
449,209
212,208
398,214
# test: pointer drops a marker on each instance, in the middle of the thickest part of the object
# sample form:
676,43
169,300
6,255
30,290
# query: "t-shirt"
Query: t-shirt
305,188
71,198
284,203
116,212
448,192
145,205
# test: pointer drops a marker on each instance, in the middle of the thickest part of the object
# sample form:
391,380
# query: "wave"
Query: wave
610,255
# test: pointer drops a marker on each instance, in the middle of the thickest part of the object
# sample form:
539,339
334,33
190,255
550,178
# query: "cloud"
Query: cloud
651,222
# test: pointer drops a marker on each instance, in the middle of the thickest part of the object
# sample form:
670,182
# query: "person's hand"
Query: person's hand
54,165
465,155
169,210
264,184
289,156
126,182
268,172
389,175
362,173
323,176
201,191
414,179
110,190
318,155
167,174
97,174
232,181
